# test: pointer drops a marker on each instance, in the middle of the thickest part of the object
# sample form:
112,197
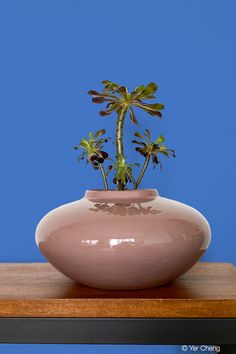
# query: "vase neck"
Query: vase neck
127,196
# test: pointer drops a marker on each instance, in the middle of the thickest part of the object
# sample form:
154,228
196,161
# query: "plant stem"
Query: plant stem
132,180
119,139
145,165
103,176
119,133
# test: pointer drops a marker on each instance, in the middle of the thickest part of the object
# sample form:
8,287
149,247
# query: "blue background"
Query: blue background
53,52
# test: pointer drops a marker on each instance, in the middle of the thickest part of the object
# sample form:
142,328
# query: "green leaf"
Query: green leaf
138,142
152,112
129,172
163,150
146,107
155,113
151,88
133,116
107,82
147,133
81,157
123,91
140,136
99,133
110,86
93,93
155,148
105,113
113,106
160,140
76,147
149,97
107,96
139,88
120,174
84,144
155,106
98,99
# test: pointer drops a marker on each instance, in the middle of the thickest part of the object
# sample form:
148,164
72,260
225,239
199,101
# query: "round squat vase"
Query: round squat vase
122,240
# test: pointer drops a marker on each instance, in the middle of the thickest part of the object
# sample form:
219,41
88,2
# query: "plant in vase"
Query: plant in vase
120,101
123,238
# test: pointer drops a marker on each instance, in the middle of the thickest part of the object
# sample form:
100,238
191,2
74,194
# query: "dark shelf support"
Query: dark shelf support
165,331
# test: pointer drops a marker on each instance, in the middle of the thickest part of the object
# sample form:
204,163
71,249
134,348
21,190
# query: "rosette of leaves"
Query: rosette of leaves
118,98
93,152
121,101
151,151
124,172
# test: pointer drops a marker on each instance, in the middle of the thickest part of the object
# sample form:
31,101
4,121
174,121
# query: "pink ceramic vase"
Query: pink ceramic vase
123,240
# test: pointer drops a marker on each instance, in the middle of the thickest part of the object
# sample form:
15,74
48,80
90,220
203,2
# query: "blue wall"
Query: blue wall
53,52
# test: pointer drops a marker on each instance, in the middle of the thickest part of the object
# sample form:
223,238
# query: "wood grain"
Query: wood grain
39,290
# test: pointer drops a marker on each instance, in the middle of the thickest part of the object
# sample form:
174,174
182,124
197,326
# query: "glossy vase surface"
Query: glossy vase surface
123,239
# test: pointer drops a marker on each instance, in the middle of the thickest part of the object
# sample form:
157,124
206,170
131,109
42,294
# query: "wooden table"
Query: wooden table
40,305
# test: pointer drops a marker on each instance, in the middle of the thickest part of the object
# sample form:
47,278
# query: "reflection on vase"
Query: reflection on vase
124,209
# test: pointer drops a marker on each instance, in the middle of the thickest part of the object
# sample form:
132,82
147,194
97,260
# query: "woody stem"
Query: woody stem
145,165
103,176
119,139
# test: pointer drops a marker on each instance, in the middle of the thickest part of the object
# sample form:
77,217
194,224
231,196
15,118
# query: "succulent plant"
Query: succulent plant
93,152
124,172
150,150
118,99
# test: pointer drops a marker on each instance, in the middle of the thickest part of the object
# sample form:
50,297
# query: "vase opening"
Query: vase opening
140,195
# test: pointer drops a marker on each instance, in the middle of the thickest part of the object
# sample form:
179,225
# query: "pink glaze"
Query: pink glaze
123,239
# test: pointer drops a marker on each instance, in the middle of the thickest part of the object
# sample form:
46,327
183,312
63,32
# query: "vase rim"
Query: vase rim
127,195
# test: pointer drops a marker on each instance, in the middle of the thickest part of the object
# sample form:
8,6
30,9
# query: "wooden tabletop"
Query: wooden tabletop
208,290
